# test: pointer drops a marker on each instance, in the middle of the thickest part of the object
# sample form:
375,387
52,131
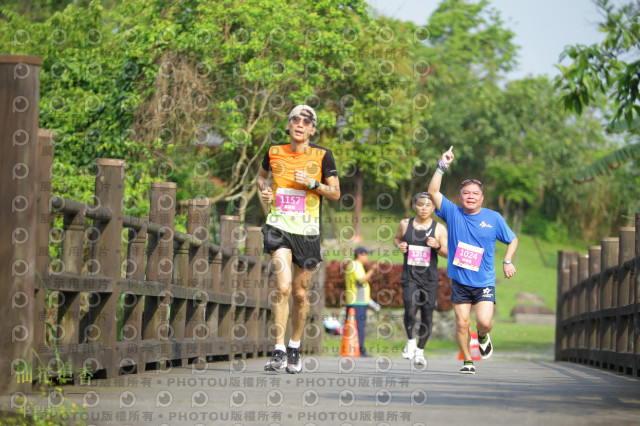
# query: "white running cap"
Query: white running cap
310,113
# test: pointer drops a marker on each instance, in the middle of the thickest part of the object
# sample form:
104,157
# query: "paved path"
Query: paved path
371,391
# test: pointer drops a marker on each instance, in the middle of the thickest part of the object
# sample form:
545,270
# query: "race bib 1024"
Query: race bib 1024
468,256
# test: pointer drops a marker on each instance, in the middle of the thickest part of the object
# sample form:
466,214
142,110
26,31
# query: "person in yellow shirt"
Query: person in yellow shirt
358,292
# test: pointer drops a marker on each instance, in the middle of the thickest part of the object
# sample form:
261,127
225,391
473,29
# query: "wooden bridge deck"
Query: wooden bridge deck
376,390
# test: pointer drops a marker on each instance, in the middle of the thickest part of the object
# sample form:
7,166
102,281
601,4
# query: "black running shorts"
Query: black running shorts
305,249
461,293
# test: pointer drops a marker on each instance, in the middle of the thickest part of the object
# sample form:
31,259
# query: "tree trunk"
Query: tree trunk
406,195
358,182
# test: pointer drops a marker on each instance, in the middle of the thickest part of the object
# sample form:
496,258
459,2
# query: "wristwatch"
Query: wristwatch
316,184
506,262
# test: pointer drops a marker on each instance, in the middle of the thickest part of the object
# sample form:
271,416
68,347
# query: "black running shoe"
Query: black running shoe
277,362
486,348
294,365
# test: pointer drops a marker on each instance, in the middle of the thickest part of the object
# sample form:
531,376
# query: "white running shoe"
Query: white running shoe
409,349
419,358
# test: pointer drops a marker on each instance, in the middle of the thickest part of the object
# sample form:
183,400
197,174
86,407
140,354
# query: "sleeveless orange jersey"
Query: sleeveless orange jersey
295,208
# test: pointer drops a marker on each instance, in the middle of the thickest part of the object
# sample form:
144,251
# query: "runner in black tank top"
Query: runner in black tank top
416,272
420,239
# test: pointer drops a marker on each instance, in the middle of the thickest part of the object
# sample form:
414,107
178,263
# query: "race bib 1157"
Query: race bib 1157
290,202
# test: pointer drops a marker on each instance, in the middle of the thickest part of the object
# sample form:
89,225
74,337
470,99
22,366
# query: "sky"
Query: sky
542,27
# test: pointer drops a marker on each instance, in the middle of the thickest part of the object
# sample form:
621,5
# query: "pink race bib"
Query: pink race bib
468,256
418,255
290,202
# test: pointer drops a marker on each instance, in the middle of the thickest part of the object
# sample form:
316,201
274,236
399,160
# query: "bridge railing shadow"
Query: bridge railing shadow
598,304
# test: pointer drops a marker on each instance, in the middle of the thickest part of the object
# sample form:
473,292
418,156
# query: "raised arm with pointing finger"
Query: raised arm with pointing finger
436,180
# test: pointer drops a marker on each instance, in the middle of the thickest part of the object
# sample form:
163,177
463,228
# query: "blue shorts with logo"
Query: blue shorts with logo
461,293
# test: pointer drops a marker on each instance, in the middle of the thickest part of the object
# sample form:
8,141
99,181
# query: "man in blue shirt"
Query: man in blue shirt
473,231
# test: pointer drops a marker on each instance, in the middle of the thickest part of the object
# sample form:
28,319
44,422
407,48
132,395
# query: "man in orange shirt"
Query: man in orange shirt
302,174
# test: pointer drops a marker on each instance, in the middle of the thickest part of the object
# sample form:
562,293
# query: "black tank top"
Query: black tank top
420,274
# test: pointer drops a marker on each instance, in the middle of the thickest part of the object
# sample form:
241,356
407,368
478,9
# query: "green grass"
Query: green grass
535,261
526,341
525,338
536,264
393,348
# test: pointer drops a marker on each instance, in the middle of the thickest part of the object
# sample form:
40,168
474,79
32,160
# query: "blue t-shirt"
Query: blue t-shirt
477,230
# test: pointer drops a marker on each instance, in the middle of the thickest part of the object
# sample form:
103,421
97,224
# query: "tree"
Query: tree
192,91
88,93
375,116
250,62
468,49
610,68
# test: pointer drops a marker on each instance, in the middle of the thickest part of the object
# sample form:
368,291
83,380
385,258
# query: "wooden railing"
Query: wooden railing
598,305
112,305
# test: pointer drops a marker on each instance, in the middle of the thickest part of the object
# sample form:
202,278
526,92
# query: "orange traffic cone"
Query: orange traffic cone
474,347
350,344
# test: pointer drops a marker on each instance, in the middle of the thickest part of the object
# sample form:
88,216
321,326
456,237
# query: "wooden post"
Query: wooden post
564,261
19,186
107,252
583,276
269,289
133,303
215,271
71,256
573,284
179,304
264,319
228,239
583,283
155,324
593,296
198,222
566,308
626,252
595,257
609,259
314,329
254,285
214,346
242,344
635,299
45,161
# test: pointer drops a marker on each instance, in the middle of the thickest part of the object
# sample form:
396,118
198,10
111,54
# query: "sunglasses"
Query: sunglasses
469,182
296,119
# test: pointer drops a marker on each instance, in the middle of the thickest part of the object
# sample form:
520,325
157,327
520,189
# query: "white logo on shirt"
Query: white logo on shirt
485,225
